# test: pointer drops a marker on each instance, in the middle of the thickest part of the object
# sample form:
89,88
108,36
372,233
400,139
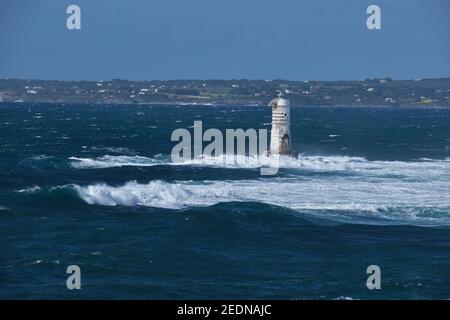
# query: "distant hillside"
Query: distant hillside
419,92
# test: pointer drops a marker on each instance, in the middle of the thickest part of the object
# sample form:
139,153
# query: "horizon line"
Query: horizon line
223,79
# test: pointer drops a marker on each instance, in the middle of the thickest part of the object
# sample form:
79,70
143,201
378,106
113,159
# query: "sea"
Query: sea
94,186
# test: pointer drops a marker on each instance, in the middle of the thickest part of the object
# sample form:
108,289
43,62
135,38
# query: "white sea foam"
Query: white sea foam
386,198
344,298
422,169
29,190
109,161
415,191
336,193
120,150
41,157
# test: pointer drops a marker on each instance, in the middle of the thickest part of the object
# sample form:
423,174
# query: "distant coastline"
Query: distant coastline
363,93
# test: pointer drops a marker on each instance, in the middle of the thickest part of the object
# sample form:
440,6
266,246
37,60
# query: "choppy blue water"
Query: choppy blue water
94,186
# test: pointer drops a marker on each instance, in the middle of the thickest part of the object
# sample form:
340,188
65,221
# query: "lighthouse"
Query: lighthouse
280,138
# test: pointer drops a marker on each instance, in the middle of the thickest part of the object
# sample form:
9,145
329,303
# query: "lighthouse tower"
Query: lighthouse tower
280,138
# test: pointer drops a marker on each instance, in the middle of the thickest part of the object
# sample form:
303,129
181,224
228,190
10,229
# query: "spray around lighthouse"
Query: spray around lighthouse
235,150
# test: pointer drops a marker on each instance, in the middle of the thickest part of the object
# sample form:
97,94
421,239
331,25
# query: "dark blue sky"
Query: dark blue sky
254,39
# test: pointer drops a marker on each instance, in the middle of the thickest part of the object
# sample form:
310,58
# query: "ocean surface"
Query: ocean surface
94,186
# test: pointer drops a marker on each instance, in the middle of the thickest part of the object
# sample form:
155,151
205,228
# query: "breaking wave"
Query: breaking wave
338,198
394,191
109,161
312,194
420,169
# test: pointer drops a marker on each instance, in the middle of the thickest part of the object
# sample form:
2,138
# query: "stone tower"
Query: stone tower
280,138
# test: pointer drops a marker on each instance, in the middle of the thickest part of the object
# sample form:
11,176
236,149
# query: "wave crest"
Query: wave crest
109,161
360,200
422,169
